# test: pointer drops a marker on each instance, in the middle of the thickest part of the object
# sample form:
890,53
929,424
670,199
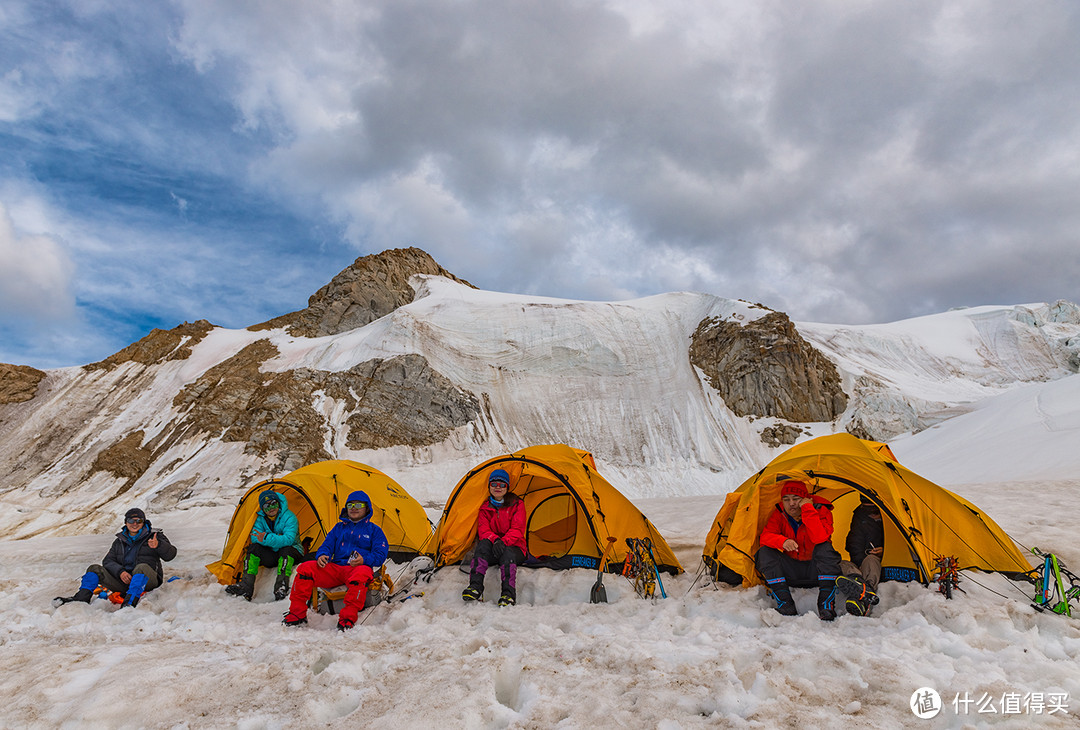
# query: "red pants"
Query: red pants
310,576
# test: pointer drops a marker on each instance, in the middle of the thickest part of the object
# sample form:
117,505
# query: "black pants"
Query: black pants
820,570
113,582
507,557
269,558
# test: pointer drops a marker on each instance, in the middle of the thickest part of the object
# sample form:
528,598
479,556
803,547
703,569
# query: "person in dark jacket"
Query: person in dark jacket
132,565
274,543
351,553
796,548
862,570
500,534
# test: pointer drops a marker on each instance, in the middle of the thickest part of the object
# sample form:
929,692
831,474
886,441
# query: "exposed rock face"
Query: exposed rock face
372,287
400,401
18,383
126,459
765,368
403,401
782,434
158,346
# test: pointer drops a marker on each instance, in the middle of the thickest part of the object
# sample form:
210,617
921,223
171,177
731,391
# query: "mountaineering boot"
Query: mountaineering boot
345,624
859,596
281,587
135,590
509,591
245,588
291,619
87,585
855,607
82,596
281,584
785,604
826,602
472,594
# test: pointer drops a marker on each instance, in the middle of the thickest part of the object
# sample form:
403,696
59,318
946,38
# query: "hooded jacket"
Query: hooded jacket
865,533
127,551
364,537
816,527
284,532
506,523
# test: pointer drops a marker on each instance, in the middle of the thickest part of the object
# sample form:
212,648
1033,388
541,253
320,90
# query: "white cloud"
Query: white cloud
35,279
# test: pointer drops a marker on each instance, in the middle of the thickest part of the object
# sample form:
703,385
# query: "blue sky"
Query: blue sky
840,161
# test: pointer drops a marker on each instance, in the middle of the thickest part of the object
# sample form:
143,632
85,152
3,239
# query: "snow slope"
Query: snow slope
192,657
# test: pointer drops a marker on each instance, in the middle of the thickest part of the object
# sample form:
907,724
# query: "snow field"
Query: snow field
192,657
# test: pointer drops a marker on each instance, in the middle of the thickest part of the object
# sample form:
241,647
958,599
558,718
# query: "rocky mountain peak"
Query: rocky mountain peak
18,383
372,287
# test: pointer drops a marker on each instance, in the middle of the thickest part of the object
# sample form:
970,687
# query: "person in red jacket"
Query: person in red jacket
796,549
500,540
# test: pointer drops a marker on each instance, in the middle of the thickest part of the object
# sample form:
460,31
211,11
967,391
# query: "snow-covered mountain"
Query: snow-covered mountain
398,364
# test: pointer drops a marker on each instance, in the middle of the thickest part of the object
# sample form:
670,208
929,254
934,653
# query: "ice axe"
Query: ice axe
599,593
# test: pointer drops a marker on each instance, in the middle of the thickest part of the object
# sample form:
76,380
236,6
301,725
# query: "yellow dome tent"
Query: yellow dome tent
316,495
570,512
923,521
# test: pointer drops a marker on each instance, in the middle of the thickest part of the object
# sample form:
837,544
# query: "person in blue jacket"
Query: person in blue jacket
351,553
275,542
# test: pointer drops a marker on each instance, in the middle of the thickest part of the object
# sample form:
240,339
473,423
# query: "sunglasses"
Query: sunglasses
271,507
355,505
133,521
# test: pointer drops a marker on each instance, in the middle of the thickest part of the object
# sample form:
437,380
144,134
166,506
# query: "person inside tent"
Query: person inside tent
865,545
796,549
274,543
351,553
500,540
133,564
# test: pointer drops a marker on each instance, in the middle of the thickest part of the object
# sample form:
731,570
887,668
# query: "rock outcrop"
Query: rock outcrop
372,287
158,346
400,401
126,459
765,368
18,383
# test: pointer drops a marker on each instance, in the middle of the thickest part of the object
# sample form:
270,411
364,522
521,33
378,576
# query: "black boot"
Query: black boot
83,595
785,604
245,588
826,602
281,587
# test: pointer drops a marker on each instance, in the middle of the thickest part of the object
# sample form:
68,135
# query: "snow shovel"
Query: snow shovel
598,594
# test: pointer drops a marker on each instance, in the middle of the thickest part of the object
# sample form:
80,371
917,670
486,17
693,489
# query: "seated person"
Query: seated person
132,565
274,543
796,548
351,553
862,571
500,536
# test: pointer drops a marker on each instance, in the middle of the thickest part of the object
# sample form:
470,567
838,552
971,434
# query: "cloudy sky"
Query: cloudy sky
841,161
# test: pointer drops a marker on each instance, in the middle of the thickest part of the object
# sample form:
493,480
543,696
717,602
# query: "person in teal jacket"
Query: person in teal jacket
274,543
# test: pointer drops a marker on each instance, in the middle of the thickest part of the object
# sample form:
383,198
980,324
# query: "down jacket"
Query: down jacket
364,537
284,532
127,551
866,533
815,528
507,523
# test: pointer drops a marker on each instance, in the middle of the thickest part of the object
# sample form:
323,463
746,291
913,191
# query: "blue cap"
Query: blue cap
499,475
